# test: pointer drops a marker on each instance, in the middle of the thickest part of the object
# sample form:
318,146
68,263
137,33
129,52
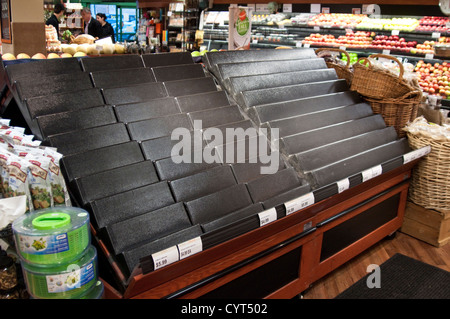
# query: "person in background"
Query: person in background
58,12
108,30
91,26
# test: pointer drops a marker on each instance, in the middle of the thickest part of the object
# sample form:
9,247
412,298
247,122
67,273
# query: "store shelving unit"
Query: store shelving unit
271,35
183,19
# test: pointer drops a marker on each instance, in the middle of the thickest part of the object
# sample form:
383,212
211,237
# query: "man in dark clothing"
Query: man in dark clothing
91,26
108,30
58,12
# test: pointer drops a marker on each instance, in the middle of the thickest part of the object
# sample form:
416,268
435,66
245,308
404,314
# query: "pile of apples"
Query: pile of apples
392,42
433,24
320,39
360,39
434,78
424,48
337,20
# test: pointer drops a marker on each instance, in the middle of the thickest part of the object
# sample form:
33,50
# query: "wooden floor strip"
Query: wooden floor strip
337,281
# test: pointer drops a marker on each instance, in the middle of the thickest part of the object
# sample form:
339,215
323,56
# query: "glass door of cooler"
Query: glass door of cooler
128,22
124,19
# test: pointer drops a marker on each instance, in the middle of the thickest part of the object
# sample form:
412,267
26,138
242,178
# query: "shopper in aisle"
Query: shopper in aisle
91,25
108,30
58,12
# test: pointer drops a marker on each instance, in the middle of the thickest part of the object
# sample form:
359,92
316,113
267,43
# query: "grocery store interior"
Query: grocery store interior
208,149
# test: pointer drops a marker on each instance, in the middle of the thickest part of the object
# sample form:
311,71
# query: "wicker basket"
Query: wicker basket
430,182
343,72
398,112
376,83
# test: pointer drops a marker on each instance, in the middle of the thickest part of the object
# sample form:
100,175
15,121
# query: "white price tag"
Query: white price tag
190,247
267,216
395,32
386,52
307,45
287,7
299,203
165,257
254,41
411,156
435,35
343,185
169,13
298,44
343,48
371,173
316,28
429,56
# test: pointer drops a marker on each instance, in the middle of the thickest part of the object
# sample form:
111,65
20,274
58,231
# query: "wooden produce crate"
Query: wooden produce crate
429,225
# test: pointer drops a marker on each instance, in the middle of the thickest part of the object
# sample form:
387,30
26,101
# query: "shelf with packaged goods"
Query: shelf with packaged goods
269,36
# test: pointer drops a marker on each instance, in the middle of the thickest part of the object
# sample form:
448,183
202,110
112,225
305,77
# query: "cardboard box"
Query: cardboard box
428,225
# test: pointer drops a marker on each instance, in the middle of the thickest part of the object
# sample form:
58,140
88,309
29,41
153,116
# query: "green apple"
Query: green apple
195,53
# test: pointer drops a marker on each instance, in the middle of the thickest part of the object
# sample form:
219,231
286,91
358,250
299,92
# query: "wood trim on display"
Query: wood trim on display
379,2
213,268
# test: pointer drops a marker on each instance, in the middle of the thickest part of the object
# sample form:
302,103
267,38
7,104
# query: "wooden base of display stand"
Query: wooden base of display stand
283,258
429,225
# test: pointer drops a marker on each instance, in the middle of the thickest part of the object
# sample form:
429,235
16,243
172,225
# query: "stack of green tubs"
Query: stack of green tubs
57,259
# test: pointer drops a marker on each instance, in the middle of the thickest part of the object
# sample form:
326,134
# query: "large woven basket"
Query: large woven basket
397,112
376,83
430,182
342,71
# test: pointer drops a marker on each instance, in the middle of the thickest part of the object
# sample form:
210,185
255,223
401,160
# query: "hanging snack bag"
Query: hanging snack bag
18,179
4,155
58,183
40,187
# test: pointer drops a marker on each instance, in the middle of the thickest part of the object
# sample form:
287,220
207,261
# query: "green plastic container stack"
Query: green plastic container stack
57,259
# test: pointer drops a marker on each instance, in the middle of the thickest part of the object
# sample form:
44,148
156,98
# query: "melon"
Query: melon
92,49
83,48
39,56
52,56
23,56
108,48
8,56
119,49
66,55
79,54
71,49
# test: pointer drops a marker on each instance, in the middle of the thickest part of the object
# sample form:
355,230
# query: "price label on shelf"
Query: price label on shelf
165,257
343,185
395,32
299,203
411,156
298,44
316,28
436,35
386,52
343,48
429,56
267,216
371,173
287,7
190,247
306,45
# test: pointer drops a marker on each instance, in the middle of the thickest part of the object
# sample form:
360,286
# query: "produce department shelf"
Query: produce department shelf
220,208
